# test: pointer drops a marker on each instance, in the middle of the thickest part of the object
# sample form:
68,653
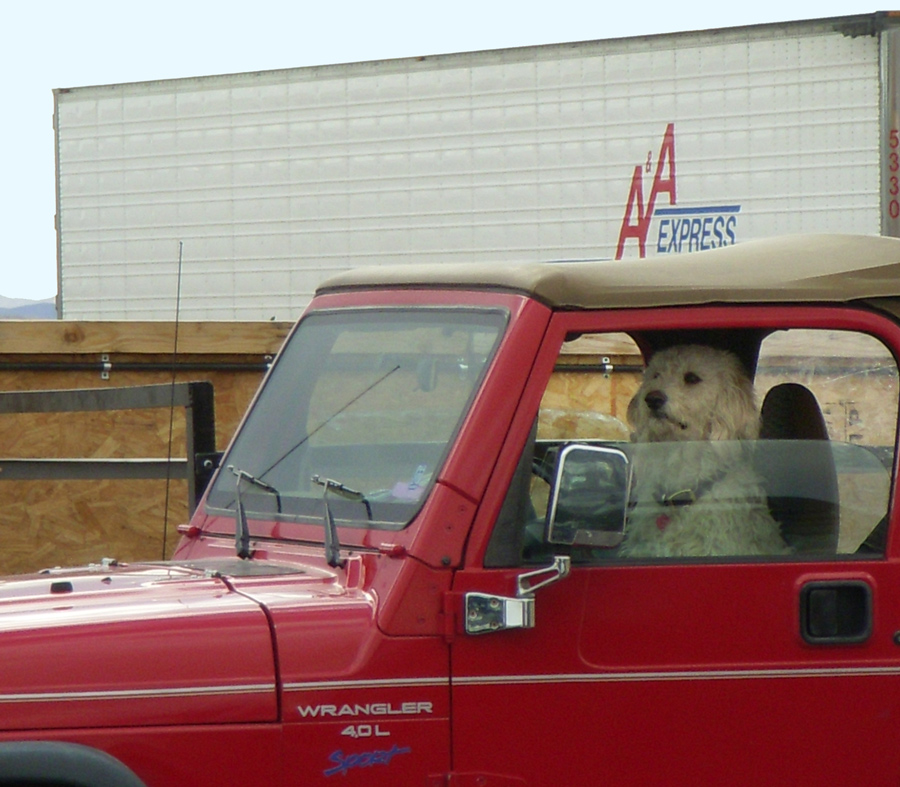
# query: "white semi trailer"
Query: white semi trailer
603,149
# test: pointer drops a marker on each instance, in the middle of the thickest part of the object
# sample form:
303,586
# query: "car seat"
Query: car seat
796,461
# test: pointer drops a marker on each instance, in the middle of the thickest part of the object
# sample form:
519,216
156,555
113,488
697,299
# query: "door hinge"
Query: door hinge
486,613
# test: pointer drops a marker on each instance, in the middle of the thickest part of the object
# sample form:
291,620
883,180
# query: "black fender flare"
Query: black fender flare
60,764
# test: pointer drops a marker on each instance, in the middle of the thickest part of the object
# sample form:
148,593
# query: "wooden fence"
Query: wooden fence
57,521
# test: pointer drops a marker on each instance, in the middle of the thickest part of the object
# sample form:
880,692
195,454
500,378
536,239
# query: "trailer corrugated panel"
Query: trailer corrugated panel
276,180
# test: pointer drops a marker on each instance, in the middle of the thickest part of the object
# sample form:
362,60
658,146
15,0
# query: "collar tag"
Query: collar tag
683,497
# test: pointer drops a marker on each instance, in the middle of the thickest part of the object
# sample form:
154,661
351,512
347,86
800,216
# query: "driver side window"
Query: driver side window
806,475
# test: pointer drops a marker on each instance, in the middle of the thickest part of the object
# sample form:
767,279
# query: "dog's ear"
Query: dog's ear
637,417
735,416
633,406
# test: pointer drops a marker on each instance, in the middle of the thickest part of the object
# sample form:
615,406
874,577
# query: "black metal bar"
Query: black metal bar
87,469
136,397
197,398
203,408
200,432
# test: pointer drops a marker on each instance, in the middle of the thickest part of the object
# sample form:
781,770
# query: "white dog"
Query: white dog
695,491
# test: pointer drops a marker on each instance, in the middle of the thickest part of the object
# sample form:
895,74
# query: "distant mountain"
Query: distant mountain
24,309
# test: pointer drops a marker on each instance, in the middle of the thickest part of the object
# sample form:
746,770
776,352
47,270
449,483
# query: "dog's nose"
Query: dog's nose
655,400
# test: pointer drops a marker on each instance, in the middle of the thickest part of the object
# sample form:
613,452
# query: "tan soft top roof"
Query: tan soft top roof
825,268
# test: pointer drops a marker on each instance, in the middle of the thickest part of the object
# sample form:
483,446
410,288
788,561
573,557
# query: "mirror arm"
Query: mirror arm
557,570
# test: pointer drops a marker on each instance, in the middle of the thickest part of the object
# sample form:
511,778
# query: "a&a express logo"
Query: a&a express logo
679,229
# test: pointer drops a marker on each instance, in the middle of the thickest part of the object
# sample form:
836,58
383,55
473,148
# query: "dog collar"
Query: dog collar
686,497
679,499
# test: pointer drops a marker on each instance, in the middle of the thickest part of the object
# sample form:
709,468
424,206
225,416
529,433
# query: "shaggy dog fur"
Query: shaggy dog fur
695,491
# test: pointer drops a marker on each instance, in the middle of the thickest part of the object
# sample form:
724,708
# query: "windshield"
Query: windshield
368,399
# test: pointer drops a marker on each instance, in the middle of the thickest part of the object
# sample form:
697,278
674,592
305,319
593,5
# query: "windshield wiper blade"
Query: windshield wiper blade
344,491
244,475
241,528
332,547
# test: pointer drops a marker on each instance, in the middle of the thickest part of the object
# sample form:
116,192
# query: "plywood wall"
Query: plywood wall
63,523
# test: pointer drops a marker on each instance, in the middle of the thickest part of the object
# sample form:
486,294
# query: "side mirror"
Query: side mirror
589,499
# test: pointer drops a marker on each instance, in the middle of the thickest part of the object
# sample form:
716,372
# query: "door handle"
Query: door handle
836,612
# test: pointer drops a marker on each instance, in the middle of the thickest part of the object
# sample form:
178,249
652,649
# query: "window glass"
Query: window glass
854,380
783,448
367,399
585,401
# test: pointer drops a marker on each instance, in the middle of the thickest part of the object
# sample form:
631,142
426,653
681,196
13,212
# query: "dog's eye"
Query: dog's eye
691,379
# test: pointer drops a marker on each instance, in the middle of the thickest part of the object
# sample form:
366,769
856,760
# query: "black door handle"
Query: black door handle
836,612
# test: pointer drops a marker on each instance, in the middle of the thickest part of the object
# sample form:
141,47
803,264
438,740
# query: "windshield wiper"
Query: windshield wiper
241,528
332,547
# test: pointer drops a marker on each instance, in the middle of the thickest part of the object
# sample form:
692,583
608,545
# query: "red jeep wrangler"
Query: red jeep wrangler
407,570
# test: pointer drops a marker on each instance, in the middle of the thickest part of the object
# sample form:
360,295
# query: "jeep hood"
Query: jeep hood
166,643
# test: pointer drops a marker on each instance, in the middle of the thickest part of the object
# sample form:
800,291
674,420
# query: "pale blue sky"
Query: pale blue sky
47,44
